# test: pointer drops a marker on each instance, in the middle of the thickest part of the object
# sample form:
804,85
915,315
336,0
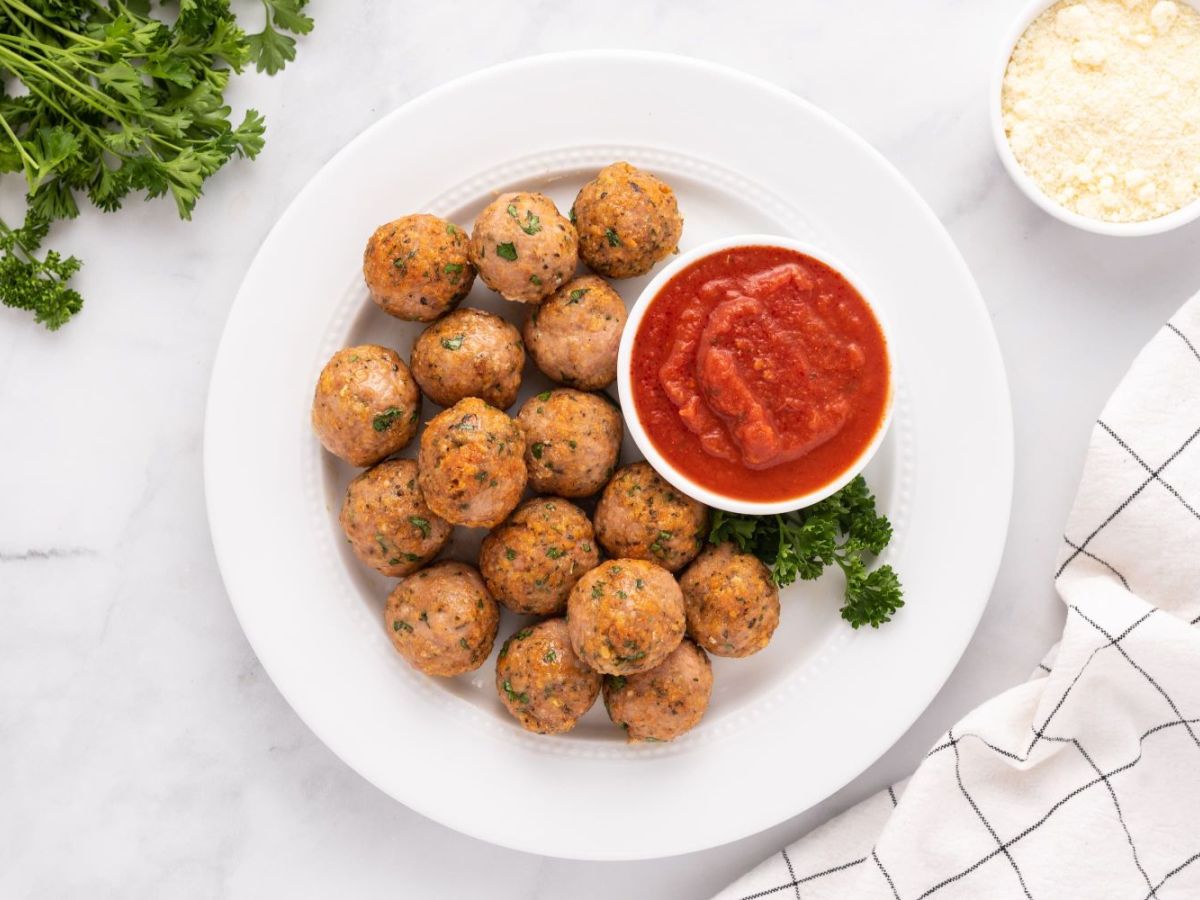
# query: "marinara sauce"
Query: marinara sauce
760,373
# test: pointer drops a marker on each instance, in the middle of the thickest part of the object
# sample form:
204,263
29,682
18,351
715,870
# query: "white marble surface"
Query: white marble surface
143,751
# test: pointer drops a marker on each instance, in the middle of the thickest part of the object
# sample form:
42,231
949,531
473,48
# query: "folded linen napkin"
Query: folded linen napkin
1084,782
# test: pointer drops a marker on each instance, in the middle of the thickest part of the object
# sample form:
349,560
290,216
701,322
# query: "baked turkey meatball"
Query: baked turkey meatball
641,516
572,441
472,464
542,682
386,520
442,619
523,248
366,404
732,603
665,702
574,336
627,220
531,562
469,353
625,616
417,267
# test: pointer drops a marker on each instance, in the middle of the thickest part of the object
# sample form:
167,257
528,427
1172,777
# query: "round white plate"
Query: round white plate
786,727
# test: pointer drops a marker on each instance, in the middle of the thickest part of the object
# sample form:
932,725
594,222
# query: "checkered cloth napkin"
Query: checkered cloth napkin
1083,782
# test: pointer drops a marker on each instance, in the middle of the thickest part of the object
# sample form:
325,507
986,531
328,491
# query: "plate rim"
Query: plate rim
1005,452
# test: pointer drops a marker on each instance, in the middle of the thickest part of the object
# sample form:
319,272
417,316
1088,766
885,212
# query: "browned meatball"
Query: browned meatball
627,220
442,619
472,464
386,520
572,441
641,516
366,405
574,336
469,353
625,616
417,267
531,562
523,248
732,603
542,682
665,702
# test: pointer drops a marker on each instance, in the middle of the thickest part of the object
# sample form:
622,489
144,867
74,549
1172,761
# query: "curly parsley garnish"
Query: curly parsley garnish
842,530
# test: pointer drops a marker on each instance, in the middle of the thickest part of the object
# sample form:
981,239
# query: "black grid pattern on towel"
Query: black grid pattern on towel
1107,642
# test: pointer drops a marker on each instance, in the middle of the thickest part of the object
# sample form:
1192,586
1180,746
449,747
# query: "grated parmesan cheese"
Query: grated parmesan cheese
1101,105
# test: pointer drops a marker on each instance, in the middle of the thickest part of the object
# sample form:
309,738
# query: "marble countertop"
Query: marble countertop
144,752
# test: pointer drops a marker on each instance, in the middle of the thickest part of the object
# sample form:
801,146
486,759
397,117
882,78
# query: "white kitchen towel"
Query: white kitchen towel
1084,782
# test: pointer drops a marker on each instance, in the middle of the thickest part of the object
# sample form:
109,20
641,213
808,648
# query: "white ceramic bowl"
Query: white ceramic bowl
625,389
1160,225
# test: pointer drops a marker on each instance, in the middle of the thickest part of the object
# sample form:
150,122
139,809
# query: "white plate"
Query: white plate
787,726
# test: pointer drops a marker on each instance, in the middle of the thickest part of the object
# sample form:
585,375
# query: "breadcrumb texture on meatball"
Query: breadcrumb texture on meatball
523,248
387,522
732,603
625,616
442,619
575,334
532,560
542,682
627,221
469,353
472,464
665,702
366,405
640,515
572,441
418,267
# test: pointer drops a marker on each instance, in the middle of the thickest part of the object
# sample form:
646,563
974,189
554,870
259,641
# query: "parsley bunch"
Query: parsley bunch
105,99
841,530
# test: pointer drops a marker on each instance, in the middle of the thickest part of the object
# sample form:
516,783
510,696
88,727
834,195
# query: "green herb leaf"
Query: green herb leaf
506,251
421,524
555,553
842,530
613,240
577,295
544,396
385,419
454,343
536,449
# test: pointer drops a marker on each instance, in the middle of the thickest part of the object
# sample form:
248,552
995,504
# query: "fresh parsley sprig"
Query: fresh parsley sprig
842,530
101,100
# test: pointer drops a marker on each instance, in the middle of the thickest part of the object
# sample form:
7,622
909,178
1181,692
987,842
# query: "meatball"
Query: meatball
523,248
387,523
573,337
472,464
531,562
572,441
641,516
417,267
542,682
625,616
469,353
627,219
366,405
732,603
442,619
665,702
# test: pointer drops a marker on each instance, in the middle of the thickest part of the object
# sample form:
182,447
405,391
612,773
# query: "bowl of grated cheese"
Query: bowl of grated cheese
1095,111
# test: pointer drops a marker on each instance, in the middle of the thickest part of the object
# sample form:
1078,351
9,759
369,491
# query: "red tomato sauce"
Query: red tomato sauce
760,373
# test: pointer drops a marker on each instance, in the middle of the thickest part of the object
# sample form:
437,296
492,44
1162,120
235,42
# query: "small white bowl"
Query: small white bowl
1030,187
628,405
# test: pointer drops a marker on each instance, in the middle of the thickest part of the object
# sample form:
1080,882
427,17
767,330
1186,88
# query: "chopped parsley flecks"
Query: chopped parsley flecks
387,418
